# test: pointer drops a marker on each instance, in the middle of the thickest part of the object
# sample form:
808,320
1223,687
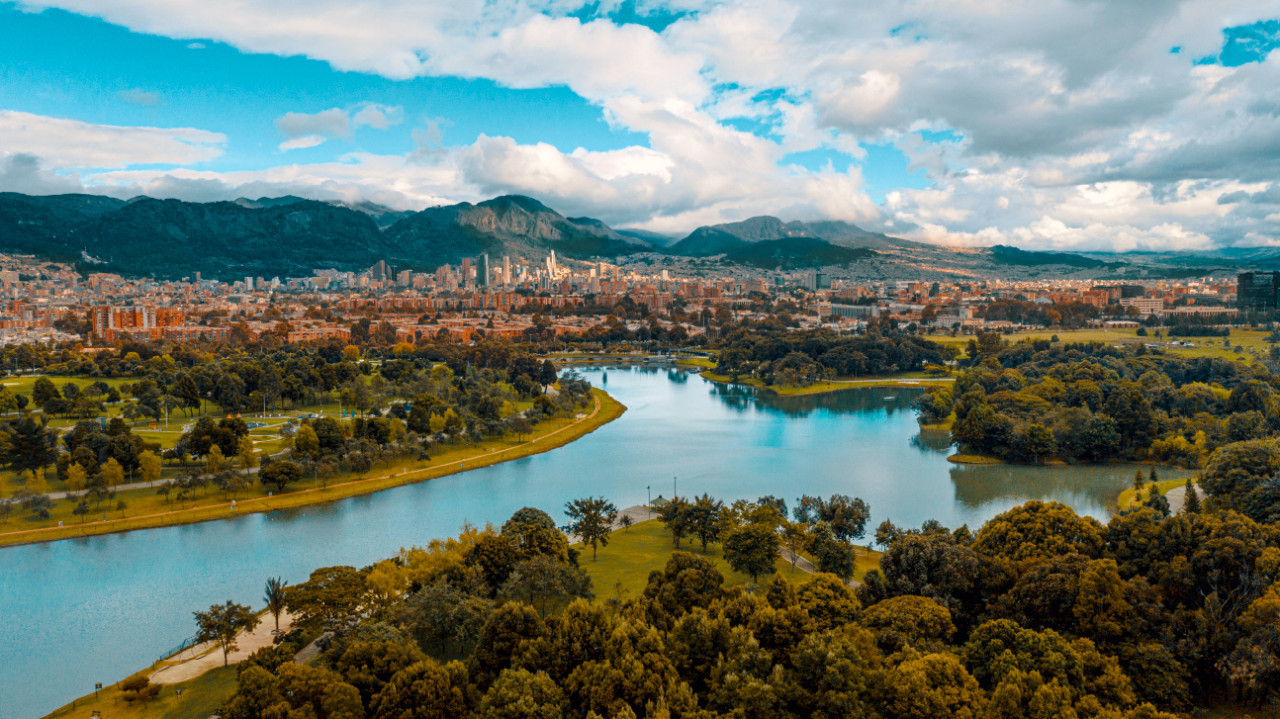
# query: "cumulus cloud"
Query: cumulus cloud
311,129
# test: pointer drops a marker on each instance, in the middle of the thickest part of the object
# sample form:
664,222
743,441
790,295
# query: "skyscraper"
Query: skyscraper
482,272
506,269
1257,290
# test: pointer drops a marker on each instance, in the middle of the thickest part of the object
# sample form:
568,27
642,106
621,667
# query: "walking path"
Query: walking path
195,661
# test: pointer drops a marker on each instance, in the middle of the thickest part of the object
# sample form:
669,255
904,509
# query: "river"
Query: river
76,612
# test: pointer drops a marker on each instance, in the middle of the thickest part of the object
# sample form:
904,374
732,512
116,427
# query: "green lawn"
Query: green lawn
1252,341
200,698
623,567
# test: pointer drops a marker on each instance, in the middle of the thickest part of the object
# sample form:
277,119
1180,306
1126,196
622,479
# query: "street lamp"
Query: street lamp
649,506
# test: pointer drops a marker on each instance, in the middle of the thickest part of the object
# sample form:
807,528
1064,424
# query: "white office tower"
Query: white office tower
506,270
248,283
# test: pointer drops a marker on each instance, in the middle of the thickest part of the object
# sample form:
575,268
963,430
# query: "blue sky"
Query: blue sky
956,126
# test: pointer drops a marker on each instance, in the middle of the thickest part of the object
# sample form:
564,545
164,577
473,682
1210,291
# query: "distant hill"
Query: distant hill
733,236
290,236
1006,255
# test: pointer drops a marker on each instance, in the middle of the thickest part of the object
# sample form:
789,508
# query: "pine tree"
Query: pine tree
1191,502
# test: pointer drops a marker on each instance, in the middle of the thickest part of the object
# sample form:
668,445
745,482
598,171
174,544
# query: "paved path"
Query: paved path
1178,497
195,661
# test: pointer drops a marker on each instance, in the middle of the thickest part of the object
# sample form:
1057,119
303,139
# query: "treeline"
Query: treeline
1065,314
1041,613
801,358
1037,400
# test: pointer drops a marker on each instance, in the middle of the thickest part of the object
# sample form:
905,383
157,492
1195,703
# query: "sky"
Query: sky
1103,125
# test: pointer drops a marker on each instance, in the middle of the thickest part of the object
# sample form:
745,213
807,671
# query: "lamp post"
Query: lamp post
649,507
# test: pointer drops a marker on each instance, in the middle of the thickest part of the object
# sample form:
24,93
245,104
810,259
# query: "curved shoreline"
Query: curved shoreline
606,410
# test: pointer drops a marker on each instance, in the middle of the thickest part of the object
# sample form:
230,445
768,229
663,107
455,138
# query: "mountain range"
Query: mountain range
291,236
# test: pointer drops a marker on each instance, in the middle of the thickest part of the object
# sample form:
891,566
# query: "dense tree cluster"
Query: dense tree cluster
1035,400
1041,613
800,358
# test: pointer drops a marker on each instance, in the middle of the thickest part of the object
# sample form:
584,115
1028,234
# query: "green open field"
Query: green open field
1252,342
622,568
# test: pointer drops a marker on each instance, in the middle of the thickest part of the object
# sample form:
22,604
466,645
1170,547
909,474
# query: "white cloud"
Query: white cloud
312,129
75,144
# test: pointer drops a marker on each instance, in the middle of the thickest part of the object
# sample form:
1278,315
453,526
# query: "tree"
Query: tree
214,460
112,473
76,477
280,474
81,510
591,519
247,455
626,521
675,514
1191,501
520,694
1038,443
752,550
222,623
43,391
703,517
542,581
305,441
274,597
150,463
846,516
833,556
329,595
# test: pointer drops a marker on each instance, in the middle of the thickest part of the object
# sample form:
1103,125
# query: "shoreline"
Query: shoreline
606,410
821,387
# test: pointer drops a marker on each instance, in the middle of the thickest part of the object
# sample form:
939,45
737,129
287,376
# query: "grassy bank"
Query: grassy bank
905,379
199,697
622,568
1129,498
146,509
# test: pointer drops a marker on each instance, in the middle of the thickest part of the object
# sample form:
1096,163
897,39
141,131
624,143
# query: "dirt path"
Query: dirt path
196,660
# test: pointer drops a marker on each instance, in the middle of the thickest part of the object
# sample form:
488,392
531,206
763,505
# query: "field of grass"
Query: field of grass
145,508
1252,343
197,699
622,568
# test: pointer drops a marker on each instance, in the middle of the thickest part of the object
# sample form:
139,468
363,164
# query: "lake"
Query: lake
76,612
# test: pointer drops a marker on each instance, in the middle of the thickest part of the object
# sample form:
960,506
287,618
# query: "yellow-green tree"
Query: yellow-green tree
215,459
247,455
112,473
305,441
150,463
76,477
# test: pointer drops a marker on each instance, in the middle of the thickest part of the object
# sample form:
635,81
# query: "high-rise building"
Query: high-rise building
379,271
1257,290
506,269
482,272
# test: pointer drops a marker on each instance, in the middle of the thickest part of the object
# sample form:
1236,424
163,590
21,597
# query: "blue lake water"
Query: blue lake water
77,612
